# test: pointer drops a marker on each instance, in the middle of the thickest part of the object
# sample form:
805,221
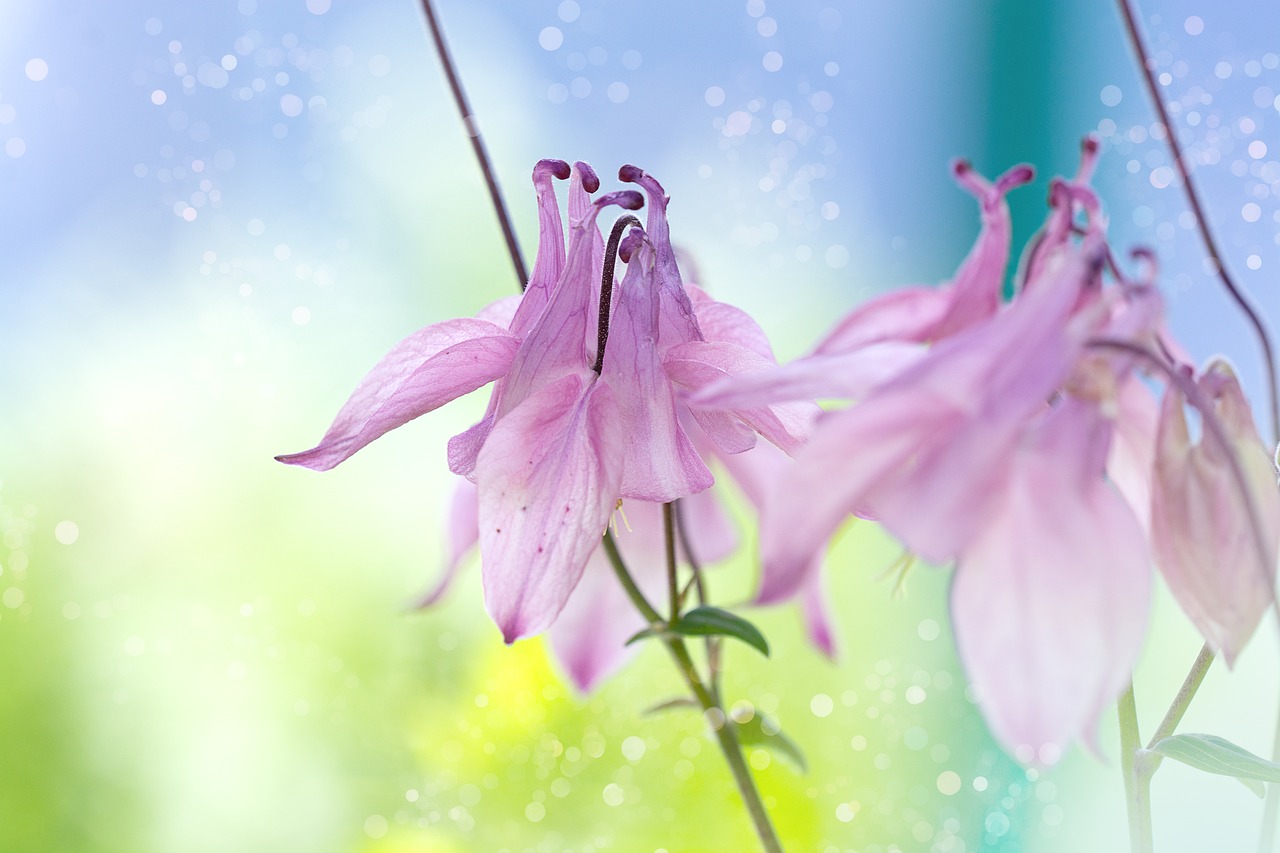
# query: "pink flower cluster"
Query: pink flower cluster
1021,441
1012,441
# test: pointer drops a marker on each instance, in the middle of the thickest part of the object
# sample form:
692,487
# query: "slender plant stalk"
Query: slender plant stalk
1182,701
712,711
669,542
1137,775
695,567
1202,222
477,143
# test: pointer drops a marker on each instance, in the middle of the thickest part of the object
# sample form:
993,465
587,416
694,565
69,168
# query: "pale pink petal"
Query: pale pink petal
727,434
589,636
556,344
548,479
849,375
695,365
721,321
907,314
462,532
850,451
421,373
711,532
677,322
549,263
1133,448
502,312
1050,600
1200,529
815,608
660,462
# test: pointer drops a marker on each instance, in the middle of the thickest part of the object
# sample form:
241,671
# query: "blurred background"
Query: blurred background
216,217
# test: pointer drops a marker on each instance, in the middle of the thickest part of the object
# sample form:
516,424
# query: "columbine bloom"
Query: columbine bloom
1201,528
991,448
569,429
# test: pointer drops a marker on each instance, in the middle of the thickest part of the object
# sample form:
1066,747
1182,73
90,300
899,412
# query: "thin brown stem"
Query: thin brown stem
1202,221
477,143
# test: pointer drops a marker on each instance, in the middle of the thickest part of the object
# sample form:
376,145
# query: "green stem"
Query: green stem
669,541
1182,701
712,711
1137,775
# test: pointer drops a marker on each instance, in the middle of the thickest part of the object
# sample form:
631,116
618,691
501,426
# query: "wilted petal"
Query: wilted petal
421,373
1200,526
548,479
1050,601
462,531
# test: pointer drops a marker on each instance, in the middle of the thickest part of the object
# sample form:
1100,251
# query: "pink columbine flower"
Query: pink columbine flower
1202,530
570,428
992,448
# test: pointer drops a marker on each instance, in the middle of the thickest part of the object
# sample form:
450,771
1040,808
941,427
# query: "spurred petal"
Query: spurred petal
548,478
462,532
921,314
660,462
676,319
1050,601
1200,526
549,263
421,373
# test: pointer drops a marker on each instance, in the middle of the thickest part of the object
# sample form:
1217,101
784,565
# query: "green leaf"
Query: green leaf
760,731
715,621
1217,755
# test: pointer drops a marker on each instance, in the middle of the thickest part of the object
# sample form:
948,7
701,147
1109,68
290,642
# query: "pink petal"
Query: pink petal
548,480
907,314
589,636
695,365
462,532
850,375
1133,449
660,462
1050,601
421,373
549,263
712,534
1200,530
815,608
721,321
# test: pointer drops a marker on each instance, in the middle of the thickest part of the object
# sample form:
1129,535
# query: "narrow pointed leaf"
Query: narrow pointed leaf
714,621
754,732
651,631
1217,755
